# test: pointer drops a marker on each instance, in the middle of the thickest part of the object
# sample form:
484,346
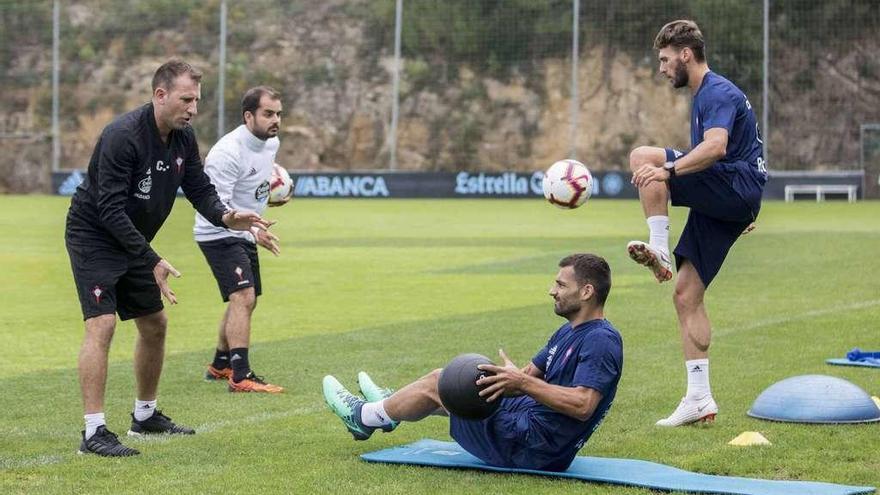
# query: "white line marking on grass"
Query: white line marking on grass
42,460
777,320
257,418
218,425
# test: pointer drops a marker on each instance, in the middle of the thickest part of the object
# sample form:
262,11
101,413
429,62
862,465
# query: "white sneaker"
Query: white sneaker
655,259
702,410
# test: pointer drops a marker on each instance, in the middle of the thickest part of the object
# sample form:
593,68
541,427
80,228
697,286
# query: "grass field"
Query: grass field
399,287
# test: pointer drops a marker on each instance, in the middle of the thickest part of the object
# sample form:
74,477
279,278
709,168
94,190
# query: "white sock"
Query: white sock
143,409
93,421
698,378
659,228
373,414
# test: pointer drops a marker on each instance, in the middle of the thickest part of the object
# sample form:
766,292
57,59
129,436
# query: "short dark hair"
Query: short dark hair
171,70
590,269
250,102
682,34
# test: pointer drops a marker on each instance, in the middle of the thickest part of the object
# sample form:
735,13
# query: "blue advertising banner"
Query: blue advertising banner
415,184
612,184
445,185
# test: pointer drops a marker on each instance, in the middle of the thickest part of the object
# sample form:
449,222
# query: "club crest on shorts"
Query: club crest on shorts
97,293
240,273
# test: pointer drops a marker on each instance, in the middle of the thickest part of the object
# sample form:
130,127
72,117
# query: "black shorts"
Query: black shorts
108,282
235,264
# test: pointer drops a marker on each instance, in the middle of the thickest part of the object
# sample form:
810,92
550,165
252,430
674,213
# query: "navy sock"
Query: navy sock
240,365
221,359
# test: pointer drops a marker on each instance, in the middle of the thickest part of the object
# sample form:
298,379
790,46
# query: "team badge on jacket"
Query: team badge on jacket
145,185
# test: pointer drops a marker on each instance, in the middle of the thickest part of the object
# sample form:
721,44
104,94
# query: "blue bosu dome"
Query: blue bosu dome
815,399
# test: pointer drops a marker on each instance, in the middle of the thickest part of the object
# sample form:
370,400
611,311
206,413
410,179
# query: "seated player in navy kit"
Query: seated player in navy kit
720,179
548,409
139,162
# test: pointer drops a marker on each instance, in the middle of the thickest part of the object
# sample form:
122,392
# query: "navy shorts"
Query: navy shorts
108,282
235,264
507,438
718,212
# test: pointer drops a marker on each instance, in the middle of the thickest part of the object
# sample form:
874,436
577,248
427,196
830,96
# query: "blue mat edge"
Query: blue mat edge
847,362
855,490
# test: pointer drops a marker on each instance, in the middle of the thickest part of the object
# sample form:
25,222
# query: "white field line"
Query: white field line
204,428
778,320
257,418
42,460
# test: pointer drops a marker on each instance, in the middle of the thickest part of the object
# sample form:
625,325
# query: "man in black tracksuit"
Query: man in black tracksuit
139,162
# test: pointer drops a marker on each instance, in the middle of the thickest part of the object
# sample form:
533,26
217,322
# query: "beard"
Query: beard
680,76
565,310
264,134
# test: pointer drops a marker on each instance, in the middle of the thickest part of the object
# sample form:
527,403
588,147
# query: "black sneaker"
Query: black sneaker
157,423
105,443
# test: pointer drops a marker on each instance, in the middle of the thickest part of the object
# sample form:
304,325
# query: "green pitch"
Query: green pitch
397,288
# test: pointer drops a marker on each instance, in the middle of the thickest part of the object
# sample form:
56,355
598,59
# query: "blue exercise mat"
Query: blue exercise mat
630,472
867,363
858,357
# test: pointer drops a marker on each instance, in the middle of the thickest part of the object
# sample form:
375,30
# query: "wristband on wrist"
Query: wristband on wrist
670,167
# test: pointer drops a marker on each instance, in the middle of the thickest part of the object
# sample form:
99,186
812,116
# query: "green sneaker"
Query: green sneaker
373,393
347,406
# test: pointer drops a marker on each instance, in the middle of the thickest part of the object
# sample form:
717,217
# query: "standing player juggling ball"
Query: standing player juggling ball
720,179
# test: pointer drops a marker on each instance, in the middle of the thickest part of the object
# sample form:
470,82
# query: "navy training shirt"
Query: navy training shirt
588,355
720,104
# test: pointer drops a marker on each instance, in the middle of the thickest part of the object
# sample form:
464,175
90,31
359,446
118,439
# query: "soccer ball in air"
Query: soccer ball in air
280,185
567,184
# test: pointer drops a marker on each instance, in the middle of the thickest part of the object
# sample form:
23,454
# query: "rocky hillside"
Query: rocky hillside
336,82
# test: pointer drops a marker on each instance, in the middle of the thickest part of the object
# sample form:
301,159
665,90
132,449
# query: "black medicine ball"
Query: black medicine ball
458,391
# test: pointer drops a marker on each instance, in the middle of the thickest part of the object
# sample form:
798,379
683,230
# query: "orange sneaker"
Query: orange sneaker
253,383
213,374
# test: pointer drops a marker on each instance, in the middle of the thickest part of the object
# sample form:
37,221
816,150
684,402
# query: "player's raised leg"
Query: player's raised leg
654,198
697,404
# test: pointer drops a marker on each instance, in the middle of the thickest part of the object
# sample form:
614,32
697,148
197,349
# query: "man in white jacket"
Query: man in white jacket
240,166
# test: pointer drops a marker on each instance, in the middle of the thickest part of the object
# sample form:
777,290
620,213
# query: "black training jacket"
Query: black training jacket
132,183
